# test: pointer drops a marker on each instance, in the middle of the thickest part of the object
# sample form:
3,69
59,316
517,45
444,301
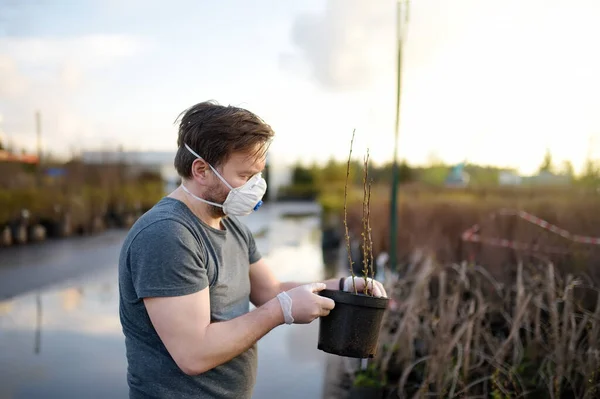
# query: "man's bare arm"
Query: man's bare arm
196,344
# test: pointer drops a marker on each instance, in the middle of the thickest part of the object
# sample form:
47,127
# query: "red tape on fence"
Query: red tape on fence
471,234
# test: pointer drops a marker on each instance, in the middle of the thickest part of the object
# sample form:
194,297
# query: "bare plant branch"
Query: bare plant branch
346,214
369,230
365,224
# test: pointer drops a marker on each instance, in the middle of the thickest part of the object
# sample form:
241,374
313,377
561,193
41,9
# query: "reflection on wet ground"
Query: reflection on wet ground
65,340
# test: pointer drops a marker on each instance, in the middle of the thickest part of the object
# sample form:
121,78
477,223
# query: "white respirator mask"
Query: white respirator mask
241,201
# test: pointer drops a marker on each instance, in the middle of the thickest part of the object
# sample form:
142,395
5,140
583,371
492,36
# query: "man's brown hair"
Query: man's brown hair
215,132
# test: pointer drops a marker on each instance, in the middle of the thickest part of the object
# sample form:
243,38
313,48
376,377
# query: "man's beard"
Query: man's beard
218,195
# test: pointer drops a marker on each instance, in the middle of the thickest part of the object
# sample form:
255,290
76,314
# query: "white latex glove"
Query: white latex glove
306,305
373,285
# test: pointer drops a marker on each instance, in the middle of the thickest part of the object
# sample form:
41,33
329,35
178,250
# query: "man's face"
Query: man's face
238,169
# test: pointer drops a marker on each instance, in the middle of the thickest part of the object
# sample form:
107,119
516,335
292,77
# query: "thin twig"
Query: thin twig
346,213
365,233
369,230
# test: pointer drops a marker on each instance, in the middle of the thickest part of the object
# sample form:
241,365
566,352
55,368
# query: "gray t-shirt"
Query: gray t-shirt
171,252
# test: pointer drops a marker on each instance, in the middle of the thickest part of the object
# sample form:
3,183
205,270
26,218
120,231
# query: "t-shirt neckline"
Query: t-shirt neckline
222,232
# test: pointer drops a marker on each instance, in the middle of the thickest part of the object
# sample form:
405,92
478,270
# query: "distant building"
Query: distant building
509,178
458,177
544,178
6,156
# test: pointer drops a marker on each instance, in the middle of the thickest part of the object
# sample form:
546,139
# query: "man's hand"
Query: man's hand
306,305
373,286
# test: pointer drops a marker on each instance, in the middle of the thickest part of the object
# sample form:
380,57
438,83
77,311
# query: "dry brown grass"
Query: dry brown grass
435,220
478,321
458,333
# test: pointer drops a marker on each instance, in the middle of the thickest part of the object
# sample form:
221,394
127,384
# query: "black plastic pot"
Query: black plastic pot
352,328
366,393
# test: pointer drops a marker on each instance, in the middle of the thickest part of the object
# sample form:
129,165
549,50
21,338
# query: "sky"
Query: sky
489,82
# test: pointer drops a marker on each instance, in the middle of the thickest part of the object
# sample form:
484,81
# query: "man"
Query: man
189,268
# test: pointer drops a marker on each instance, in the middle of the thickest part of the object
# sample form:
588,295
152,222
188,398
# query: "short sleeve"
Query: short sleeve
166,260
253,253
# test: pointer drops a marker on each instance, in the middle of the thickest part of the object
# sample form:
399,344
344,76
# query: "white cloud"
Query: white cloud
48,74
90,51
345,47
71,75
12,82
493,82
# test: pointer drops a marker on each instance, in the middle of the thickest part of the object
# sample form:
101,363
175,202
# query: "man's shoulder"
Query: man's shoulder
158,237
164,221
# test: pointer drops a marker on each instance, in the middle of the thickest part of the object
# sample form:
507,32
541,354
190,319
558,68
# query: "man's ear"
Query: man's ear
199,170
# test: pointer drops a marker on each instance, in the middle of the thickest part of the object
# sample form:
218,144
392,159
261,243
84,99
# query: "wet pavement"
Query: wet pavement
60,335
26,268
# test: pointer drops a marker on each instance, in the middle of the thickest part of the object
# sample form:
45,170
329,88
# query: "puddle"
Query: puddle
63,342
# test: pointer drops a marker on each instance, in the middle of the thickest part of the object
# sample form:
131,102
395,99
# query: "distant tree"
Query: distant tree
546,165
302,175
591,173
303,185
405,173
435,175
567,169
335,172
1,144
381,174
481,175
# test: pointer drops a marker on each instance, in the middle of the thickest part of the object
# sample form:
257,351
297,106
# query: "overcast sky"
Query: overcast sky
493,82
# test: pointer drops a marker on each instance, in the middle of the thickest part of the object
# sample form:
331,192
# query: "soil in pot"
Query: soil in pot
352,328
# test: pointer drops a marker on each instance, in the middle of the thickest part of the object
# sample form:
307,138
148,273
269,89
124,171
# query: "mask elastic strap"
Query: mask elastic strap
213,169
200,199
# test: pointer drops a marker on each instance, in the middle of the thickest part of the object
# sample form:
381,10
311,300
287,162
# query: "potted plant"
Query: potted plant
353,326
